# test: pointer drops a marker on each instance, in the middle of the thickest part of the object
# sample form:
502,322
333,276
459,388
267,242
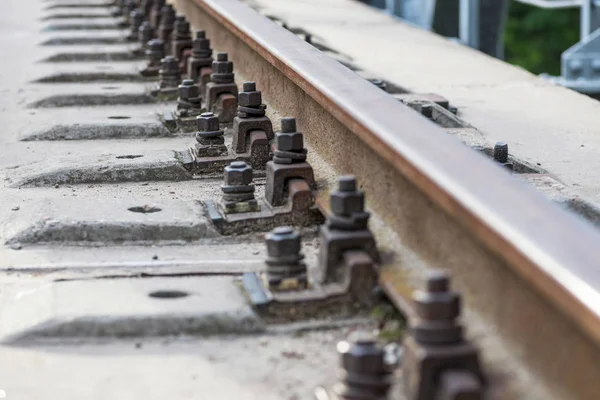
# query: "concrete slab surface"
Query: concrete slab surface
230,367
128,307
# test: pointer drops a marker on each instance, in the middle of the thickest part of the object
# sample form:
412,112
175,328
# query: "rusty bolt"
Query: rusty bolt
238,173
136,18
364,373
437,302
157,5
283,242
167,15
427,110
201,45
207,122
437,309
347,200
249,97
360,354
169,74
289,139
188,89
146,6
155,50
284,261
222,65
145,33
156,45
169,65
128,7
501,152
182,26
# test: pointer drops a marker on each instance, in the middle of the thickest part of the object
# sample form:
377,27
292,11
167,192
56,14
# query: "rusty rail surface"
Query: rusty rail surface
550,248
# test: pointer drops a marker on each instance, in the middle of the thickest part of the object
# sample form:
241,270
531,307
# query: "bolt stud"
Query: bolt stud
364,374
290,144
285,267
238,190
501,152
209,137
155,52
250,102
201,46
222,69
169,74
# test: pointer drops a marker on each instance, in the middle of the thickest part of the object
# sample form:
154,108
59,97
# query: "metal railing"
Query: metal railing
469,16
580,63
587,11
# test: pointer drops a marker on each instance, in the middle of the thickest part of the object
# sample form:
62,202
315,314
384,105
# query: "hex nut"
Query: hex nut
290,141
155,47
169,64
282,242
188,91
238,173
362,358
347,183
222,67
437,306
347,203
501,152
250,99
182,27
207,122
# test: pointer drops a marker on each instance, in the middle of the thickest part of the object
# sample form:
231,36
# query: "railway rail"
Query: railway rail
150,151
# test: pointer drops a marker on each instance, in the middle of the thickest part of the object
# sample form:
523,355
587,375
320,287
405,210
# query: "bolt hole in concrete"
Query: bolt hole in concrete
119,117
168,294
130,156
110,87
145,209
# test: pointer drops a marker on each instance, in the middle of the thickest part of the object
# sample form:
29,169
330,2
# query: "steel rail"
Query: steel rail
550,248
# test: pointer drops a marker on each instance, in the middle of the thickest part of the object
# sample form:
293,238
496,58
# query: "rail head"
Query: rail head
550,248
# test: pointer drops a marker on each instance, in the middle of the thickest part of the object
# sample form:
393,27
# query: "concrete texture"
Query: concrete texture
89,72
123,220
54,187
265,367
125,308
82,38
72,173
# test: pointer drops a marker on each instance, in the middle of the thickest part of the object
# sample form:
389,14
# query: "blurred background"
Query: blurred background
534,37
522,34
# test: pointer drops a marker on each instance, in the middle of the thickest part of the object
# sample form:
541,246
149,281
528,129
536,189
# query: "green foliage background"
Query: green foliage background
534,38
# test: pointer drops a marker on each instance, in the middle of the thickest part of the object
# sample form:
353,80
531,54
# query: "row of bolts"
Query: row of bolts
159,12
209,134
365,373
